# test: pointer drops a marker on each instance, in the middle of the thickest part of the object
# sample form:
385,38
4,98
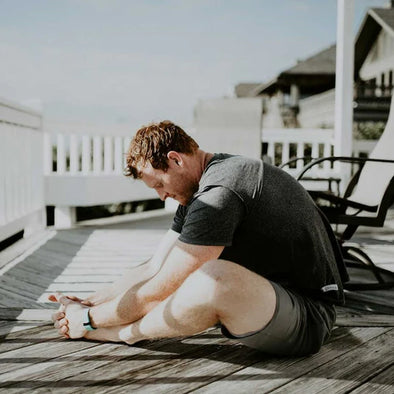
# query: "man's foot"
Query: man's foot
69,318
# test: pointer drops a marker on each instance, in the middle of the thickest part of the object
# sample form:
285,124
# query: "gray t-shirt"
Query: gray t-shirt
267,222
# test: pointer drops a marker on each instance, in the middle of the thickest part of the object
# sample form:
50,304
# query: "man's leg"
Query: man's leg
219,291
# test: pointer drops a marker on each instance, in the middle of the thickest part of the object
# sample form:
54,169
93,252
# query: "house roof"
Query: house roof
322,62
318,67
246,89
374,21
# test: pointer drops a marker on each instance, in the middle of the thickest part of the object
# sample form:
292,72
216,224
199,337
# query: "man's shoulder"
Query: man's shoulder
223,165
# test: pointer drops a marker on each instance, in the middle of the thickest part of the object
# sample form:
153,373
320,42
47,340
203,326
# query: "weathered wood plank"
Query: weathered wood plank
10,341
43,315
383,383
346,371
40,352
95,367
271,373
354,319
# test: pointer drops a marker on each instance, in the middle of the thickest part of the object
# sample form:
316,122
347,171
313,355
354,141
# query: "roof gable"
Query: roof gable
374,21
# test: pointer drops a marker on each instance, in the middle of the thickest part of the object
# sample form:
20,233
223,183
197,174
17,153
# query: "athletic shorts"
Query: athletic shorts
299,327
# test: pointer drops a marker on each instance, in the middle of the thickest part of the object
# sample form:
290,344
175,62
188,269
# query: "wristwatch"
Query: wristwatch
87,324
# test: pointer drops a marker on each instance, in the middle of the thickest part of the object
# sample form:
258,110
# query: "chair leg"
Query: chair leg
348,233
357,256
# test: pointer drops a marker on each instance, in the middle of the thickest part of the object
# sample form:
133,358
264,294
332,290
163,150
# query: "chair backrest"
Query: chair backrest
375,177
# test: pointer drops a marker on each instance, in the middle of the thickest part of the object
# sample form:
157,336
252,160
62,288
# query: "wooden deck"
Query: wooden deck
359,357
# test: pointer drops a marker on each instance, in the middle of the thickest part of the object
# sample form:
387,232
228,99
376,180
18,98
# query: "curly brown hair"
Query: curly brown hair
152,143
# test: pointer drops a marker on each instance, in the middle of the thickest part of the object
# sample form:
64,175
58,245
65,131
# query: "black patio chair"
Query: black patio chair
365,202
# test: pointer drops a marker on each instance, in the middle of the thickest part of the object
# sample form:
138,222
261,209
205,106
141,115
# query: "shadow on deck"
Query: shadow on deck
358,357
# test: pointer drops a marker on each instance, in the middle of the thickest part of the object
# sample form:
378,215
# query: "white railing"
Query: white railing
75,154
286,144
22,205
87,170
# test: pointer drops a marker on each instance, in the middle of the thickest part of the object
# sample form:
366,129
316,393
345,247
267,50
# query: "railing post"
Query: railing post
108,155
74,154
86,154
344,83
300,153
61,154
97,155
285,151
65,217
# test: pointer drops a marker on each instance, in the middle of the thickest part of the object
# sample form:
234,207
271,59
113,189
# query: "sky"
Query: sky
129,62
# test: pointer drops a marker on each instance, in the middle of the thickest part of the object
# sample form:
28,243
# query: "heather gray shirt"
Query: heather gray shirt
267,222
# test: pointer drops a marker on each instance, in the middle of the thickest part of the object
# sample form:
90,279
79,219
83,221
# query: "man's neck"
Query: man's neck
204,158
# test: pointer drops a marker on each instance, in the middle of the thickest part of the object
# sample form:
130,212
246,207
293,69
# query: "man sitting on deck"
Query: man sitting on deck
248,249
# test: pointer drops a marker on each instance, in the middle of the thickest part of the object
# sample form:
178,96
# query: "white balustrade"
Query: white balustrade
88,172
286,144
22,205
85,154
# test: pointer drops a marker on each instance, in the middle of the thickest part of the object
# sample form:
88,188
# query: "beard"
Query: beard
185,197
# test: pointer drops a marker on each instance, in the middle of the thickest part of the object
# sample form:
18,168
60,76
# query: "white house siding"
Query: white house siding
380,59
317,111
231,125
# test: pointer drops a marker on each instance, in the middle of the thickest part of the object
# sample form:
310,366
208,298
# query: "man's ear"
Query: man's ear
175,157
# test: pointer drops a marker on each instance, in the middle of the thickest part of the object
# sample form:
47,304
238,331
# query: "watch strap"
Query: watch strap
87,324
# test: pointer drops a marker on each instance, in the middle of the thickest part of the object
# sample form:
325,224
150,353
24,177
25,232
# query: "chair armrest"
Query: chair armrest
295,159
346,159
342,201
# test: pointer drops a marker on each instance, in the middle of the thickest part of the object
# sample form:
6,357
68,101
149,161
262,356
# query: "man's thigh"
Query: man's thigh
299,325
244,301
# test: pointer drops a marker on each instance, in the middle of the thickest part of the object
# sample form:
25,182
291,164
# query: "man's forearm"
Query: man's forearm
135,303
137,276
131,280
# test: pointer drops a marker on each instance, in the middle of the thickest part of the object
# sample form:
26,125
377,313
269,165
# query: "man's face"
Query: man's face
175,183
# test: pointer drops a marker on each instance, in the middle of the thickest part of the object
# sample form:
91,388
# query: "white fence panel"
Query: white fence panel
286,144
22,205
88,171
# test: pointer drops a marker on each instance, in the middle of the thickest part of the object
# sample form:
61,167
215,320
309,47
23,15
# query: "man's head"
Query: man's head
162,155
152,143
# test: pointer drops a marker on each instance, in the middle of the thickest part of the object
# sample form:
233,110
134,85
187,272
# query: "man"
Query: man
248,249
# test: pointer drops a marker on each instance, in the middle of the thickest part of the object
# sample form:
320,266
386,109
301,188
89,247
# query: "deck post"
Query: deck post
65,217
344,81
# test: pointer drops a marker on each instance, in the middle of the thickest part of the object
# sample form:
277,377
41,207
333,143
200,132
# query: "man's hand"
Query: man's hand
68,320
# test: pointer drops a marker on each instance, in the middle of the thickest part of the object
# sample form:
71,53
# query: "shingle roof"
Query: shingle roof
322,62
318,68
246,89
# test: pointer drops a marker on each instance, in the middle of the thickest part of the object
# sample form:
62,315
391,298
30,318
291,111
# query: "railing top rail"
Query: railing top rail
296,134
21,108
19,115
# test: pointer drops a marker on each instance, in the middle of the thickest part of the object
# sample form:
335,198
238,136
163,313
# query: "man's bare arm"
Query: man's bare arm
137,276
134,303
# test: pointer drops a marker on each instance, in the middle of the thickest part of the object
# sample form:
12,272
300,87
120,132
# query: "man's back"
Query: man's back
267,223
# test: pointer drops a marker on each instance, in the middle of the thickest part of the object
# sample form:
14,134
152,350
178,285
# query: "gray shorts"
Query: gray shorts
299,327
